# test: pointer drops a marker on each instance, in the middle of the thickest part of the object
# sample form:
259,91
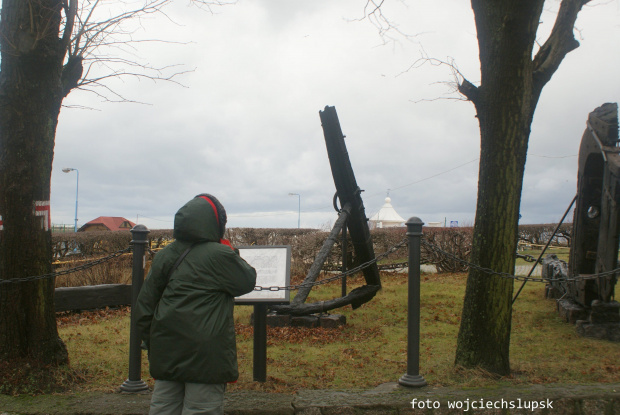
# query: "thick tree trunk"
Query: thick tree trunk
505,105
30,99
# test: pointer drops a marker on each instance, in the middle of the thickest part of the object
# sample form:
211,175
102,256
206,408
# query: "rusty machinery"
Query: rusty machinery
594,245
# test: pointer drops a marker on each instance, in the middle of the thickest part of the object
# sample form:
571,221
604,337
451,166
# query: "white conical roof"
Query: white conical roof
387,214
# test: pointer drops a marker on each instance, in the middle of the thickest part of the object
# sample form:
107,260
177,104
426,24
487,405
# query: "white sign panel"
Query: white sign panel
273,269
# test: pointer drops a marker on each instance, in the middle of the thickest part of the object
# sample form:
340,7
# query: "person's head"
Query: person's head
201,219
218,208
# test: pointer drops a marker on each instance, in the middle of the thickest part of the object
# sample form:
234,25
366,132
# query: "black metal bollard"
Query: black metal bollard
139,241
412,378
260,343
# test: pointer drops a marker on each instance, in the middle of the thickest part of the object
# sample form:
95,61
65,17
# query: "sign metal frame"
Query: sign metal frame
271,271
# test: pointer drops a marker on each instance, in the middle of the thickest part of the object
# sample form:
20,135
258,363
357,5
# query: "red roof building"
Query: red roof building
107,223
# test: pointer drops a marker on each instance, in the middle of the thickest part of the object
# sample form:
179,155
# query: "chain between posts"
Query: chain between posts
67,271
339,276
352,271
526,258
516,277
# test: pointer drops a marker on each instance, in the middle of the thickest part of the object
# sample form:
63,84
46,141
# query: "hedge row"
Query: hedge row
306,243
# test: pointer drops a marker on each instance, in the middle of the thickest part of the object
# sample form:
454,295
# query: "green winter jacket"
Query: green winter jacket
187,323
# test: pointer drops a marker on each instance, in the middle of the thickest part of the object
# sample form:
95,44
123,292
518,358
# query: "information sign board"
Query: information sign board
273,269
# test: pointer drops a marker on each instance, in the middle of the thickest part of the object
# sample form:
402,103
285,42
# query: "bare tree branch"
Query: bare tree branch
373,12
459,83
208,4
560,42
108,47
70,12
469,90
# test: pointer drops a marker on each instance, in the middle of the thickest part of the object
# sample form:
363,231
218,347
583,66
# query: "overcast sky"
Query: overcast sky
245,126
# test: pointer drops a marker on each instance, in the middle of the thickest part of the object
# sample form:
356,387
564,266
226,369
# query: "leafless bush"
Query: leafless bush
159,238
386,238
455,241
114,271
305,244
89,244
539,235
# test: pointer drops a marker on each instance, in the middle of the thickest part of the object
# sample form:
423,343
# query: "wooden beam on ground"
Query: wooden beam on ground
92,297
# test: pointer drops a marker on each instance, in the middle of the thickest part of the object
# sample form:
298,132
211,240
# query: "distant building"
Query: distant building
107,223
386,217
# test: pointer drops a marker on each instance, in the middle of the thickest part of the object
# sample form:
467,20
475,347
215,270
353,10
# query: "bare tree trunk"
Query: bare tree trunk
30,98
35,38
510,86
504,106
505,101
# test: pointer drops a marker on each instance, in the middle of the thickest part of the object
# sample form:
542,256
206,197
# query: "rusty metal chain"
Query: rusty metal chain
526,258
258,288
489,271
67,271
336,277
352,271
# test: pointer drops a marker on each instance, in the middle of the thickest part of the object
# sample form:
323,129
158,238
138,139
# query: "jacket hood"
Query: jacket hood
198,220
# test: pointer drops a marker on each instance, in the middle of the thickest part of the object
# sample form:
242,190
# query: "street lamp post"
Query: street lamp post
77,184
298,208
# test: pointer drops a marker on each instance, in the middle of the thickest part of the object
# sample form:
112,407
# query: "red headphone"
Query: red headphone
217,219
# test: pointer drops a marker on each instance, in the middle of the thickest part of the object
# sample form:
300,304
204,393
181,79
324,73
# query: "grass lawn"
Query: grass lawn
371,348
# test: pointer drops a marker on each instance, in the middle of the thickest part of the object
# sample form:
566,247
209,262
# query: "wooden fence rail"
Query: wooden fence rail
92,297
